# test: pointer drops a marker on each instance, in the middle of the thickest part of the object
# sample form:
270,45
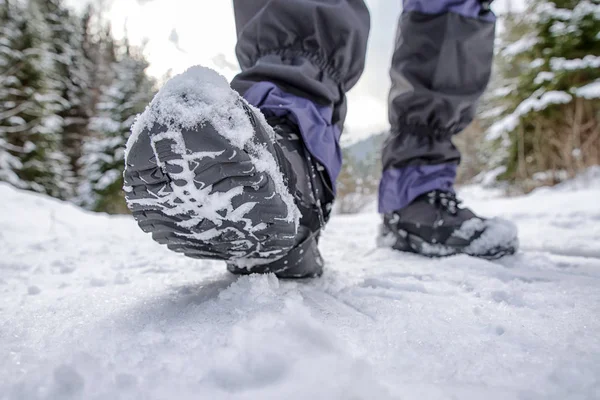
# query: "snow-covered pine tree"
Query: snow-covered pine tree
9,164
120,101
29,125
98,50
546,111
71,74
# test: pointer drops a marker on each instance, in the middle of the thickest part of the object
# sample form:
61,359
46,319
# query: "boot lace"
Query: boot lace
446,201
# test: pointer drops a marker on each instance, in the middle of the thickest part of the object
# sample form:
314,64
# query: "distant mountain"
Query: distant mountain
365,148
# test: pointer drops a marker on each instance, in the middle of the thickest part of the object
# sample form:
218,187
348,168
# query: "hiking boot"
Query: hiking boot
207,176
435,225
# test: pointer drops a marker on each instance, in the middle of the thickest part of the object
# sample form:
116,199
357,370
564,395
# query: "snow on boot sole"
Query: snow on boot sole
201,174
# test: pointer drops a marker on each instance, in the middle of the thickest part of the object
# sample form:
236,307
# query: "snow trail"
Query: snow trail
92,308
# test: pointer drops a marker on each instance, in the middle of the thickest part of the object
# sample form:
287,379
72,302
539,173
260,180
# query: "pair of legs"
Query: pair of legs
246,172
292,50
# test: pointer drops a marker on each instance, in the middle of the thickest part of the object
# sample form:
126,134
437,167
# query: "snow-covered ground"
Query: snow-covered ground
92,308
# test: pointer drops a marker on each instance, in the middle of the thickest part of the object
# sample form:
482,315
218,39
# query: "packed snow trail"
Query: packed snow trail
92,308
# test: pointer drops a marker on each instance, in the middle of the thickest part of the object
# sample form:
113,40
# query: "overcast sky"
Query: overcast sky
183,33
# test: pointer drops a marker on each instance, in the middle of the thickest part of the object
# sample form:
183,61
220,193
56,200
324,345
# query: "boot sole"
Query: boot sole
200,195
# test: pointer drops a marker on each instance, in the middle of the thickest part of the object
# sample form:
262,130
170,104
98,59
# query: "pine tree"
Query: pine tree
547,106
71,74
30,127
9,164
120,101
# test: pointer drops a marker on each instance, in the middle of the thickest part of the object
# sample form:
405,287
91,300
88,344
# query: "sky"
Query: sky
179,34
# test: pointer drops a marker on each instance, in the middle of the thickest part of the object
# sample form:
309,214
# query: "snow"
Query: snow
468,229
538,62
92,308
208,98
502,91
107,179
489,178
551,175
547,98
584,8
506,124
544,76
590,179
538,101
492,112
8,164
589,91
563,64
520,46
498,232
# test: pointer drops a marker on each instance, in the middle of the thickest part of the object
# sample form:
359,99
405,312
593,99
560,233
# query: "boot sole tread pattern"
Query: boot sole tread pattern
201,196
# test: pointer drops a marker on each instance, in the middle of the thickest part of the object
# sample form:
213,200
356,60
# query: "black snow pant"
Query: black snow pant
300,57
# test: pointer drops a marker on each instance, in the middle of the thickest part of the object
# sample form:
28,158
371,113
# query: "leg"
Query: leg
440,67
298,59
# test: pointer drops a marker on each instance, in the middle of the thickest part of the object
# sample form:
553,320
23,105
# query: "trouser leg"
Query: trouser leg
440,67
298,59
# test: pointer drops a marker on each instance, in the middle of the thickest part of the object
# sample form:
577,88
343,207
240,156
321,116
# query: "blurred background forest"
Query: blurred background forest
69,92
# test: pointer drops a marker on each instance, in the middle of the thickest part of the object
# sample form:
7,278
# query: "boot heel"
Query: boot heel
303,261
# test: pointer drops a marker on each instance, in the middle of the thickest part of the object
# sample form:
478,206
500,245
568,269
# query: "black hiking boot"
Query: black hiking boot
206,175
434,225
